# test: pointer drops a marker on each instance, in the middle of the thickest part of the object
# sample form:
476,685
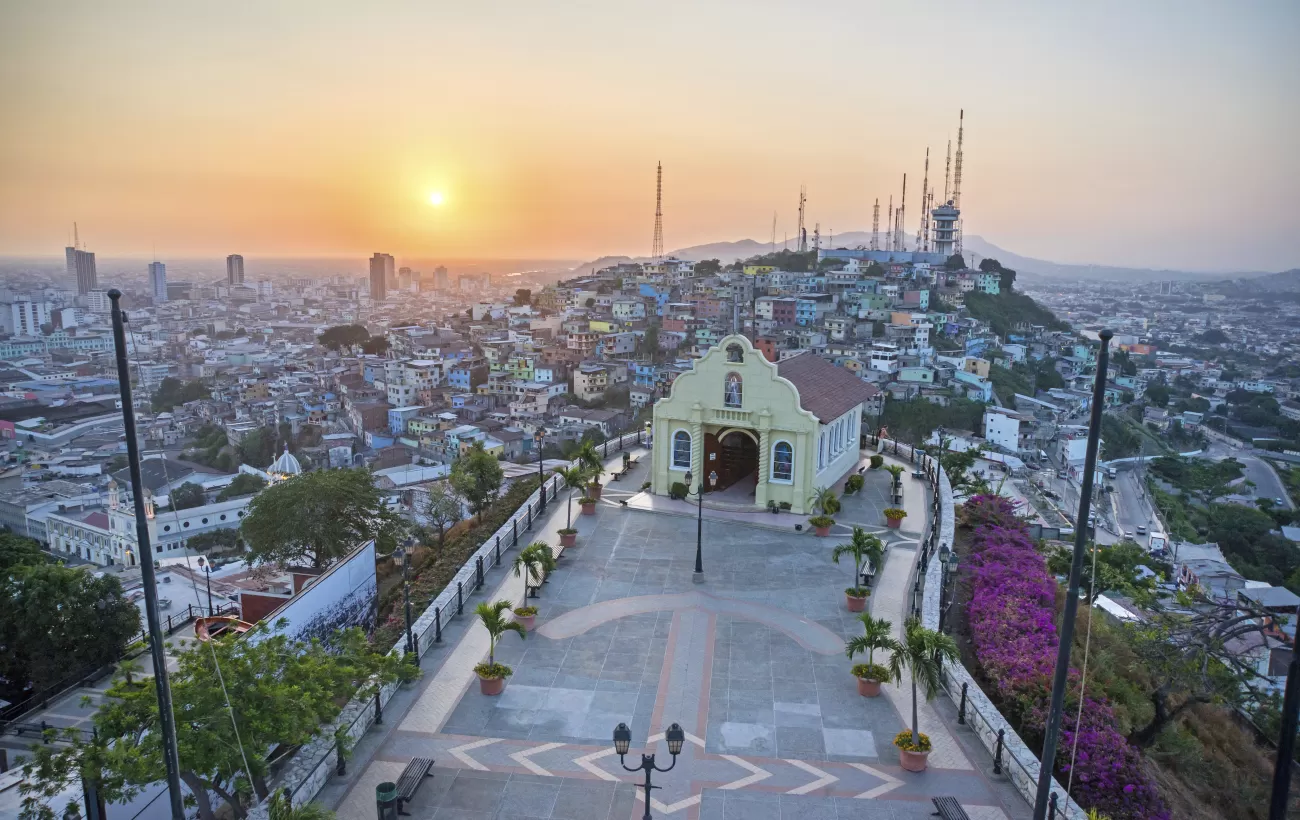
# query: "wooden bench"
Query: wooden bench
949,809
412,777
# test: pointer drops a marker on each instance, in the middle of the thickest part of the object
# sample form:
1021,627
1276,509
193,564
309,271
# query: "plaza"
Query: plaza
750,663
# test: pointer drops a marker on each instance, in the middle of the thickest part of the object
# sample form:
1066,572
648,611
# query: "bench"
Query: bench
949,809
412,777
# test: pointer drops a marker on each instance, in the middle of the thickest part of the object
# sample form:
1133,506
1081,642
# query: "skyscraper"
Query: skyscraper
158,281
381,271
234,269
81,266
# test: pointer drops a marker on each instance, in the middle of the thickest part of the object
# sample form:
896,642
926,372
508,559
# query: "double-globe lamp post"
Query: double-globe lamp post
403,554
538,437
206,566
623,739
699,521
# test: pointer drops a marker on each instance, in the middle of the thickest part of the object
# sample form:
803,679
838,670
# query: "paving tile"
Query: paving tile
521,799
473,795
799,807
851,742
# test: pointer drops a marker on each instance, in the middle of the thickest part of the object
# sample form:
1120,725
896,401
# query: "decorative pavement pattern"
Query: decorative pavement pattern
750,663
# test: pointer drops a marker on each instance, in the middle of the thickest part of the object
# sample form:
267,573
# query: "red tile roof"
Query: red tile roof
827,390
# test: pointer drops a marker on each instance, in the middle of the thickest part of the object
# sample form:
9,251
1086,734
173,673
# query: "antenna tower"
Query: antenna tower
889,240
875,226
801,235
817,237
956,171
947,172
902,218
774,232
657,248
929,206
922,234
76,237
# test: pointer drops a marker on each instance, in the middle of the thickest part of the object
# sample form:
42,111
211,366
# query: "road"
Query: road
1267,482
1132,502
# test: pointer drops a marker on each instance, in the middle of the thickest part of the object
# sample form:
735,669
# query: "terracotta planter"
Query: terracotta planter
893,523
593,490
822,532
589,509
913,761
868,688
568,539
526,621
491,686
855,604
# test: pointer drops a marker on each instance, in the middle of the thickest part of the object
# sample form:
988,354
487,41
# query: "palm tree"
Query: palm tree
877,633
863,547
537,560
494,621
896,470
824,501
573,478
922,652
589,460
128,667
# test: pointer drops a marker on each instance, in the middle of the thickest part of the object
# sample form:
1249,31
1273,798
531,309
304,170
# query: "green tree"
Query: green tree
523,296
588,458
442,508
243,484
57,621
172,392
375,346
281,692
477,477
317,518
1157,394
341,336
862,548
877,633
1117,570
650,342
955,262
214,541
574,477
708,267
17,551
186,496
257,449
493,618
922,653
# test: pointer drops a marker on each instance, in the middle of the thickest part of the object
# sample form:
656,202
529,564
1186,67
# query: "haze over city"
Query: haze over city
1151,134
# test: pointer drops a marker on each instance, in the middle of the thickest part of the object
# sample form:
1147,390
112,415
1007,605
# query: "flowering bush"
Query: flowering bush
1011,616
903,740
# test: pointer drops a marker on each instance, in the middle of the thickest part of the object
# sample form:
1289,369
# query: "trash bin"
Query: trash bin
386,800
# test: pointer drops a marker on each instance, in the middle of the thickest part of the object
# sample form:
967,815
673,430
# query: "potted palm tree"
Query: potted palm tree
589,460
894,517
824,502
526,616
863,547
896,470
877,633
588,505
573,477
922,653
492,675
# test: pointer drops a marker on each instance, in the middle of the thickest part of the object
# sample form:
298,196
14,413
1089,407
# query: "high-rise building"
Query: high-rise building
381,272
81,264
24,318
440,279
158,281
71,254
234,269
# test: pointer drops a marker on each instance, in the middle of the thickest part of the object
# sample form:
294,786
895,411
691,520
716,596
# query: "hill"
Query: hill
1008,309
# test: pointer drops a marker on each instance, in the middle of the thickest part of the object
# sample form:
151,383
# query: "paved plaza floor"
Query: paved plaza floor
750,663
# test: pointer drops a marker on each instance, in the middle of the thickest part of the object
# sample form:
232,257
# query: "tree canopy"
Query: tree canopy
243,484
442,508
341,336
523,296
375,346
317,518
706,267
56,621
477,477
282,691
186,496
172,392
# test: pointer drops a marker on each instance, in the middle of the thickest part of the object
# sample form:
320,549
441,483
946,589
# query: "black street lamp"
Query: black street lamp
403,553
623,739
699,522
538,437
206,566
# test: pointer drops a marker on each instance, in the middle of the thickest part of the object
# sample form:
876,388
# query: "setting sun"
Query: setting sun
435,198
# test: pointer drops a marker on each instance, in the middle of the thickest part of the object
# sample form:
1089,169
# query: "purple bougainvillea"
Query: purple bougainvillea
1011,616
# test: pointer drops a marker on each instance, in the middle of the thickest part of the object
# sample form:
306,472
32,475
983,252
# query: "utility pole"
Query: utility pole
875,226
166,719
1052,734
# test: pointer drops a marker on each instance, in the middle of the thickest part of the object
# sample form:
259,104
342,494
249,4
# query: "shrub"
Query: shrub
567,531
1011,614
877,461
895,512
493,671
784,505
586,499
525,611
821,521
903,740
857,592
678,490
874,671
645,486
854,484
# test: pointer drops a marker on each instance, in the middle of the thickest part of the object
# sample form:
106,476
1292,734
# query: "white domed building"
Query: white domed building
286,466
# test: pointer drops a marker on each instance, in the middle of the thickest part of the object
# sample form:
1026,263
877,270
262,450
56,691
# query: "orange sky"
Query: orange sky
1159,135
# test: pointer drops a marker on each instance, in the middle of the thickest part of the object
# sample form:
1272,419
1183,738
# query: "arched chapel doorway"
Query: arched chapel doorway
734,455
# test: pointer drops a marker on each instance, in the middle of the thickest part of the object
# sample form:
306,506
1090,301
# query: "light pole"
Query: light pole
206,566
538,437
698,576
623,739
403,553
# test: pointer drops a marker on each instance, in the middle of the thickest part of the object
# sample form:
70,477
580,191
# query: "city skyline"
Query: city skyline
1148,137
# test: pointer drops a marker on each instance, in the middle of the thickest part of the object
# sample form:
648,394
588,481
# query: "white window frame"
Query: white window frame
672,451
773,476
